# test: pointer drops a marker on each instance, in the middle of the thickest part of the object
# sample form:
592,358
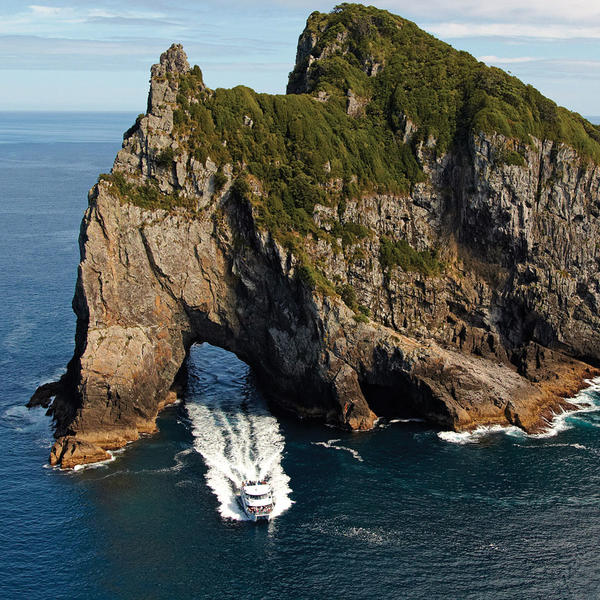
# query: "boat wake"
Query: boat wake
234,432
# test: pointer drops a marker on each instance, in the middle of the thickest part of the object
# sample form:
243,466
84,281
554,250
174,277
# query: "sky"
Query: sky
96,54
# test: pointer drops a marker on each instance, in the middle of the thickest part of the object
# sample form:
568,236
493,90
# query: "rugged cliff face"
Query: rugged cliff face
467,295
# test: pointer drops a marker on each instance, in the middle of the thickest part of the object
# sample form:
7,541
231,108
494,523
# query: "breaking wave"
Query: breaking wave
475,436
234,432
586,401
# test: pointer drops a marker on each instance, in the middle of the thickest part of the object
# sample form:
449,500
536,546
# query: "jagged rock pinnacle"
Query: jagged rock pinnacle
174,60
164,90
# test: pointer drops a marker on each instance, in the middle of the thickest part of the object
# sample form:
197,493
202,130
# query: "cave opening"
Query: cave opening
403,398
389,402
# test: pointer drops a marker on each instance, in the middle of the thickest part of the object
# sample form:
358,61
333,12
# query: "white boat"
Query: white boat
256,498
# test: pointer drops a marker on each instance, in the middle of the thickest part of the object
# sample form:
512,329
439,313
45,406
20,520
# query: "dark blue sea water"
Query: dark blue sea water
401,512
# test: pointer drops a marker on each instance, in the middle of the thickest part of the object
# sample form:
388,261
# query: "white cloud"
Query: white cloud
453,30
533,11
45,11
127,14
79,21
497,60
563,63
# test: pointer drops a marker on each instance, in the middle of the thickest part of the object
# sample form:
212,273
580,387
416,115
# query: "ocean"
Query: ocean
404,511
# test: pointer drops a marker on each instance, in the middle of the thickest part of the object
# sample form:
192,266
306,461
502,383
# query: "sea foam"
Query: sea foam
333,445
587,400
475,436
239,440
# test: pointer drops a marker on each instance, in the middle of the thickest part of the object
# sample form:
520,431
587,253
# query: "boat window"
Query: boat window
259,497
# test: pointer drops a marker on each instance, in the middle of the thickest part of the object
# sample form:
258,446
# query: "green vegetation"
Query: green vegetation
445,92
312,277
511,157
402,254
303,149
349,232
146,195
307,276
365,311
348,295
361,318
165,158
220,179
295,146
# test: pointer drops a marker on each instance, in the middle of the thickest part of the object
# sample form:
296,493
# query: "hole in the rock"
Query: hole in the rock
214,373
234,431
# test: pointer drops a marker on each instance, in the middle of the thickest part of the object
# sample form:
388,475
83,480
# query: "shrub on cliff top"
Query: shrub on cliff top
445,92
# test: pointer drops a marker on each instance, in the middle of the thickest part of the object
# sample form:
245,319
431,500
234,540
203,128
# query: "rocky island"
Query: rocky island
406,232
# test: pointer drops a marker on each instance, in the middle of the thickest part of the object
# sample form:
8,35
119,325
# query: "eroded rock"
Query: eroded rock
497,337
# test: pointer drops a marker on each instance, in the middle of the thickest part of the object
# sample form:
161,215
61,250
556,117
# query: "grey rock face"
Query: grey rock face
499,336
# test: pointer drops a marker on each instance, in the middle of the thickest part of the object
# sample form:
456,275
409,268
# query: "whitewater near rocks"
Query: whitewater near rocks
586,401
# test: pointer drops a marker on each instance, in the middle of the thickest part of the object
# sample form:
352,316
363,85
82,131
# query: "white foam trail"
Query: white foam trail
415,420
377,536
238,442
576,446
332,444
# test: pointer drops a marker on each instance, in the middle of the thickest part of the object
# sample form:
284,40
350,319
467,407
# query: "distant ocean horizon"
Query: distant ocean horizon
404,511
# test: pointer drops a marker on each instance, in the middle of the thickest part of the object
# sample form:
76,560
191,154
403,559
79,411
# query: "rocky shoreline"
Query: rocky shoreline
553,399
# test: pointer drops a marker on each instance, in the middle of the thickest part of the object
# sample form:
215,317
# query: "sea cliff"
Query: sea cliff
365,257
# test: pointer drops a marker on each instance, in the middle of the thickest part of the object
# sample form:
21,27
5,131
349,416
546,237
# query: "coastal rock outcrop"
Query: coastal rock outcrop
468,298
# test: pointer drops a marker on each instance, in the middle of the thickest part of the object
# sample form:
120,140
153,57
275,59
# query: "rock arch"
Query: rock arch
153,281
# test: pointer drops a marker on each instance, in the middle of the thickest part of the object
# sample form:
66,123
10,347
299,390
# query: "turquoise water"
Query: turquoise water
400,512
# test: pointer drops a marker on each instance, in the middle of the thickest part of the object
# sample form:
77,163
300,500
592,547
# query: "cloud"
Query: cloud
532,69
497,60
54,21
131,21
36,52
531,11
513,30
45,11
568,64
